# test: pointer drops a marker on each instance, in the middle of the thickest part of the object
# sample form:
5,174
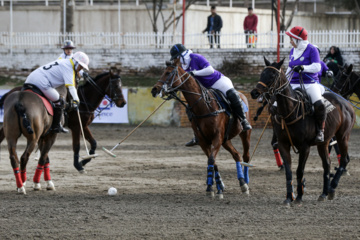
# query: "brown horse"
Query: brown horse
294,127
210,123
25,114
90,94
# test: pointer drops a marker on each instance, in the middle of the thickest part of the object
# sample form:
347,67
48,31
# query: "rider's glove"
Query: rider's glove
298,68
75,104
192,73
329,73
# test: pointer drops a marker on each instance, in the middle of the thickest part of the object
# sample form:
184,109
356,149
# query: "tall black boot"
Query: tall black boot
56,124
236,105
320,116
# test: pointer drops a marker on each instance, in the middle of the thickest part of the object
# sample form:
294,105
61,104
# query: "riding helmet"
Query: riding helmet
68,44
177,50
297,32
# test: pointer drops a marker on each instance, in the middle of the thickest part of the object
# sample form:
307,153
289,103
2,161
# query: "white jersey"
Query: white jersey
64,56
54,74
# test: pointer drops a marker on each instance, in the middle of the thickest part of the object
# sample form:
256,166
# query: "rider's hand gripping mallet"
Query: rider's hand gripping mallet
82,132
110,151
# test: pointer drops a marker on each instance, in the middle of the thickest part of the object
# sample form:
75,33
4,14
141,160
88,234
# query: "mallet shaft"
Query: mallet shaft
82,131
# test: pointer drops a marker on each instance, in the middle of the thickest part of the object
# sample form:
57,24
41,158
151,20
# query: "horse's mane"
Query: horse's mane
101,75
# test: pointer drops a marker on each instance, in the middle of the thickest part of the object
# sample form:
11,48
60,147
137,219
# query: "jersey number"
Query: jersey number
51,65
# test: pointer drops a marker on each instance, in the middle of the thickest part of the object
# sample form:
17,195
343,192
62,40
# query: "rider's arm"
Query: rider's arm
205,71
312,68
287,73
73,93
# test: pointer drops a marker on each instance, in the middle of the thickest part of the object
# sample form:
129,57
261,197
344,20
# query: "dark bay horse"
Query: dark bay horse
91,95
208,122
347,83
25,114
291,126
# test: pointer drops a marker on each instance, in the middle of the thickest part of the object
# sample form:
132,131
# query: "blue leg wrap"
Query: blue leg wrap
210,175
219,183
239,170
246,175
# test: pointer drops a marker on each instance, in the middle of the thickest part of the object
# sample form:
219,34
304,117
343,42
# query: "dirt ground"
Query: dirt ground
161,193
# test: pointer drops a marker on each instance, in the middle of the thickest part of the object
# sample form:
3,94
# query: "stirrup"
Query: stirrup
59,129
246,125
192,142
320,137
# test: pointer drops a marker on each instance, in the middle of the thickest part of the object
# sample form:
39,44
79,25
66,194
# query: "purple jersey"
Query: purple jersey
323,70
309,56
199,62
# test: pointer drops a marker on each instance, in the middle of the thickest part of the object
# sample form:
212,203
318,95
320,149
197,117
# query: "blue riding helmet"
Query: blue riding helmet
177,50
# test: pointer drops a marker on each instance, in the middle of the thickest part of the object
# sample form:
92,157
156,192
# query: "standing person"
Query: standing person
200,68
333,59
250,26
52,75
213,28
68,48
304,62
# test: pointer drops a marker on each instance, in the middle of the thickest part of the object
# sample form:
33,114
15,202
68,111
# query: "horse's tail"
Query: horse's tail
21,111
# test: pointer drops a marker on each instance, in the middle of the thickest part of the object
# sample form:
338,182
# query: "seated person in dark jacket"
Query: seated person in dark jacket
333,59
213,28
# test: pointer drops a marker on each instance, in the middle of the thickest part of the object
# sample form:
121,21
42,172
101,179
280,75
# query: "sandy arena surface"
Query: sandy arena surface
161,193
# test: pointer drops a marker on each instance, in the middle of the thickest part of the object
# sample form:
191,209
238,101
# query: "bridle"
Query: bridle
347,84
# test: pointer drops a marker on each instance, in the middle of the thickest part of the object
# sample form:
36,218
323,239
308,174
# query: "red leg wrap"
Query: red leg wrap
278,157
38,173
47,172
339,158
23,175
19,182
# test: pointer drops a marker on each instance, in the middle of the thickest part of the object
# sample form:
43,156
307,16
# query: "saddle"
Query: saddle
309,108
224,103
47,103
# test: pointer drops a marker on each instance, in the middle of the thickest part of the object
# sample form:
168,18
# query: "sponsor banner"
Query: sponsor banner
106,112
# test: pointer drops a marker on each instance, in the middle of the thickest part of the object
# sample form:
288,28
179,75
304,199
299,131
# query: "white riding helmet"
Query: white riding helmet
82,59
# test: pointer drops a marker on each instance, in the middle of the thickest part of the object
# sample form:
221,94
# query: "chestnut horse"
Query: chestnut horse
208,121
293,127
25,114
91,95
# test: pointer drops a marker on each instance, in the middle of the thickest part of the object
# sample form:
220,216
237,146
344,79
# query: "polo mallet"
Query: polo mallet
82,132
110,152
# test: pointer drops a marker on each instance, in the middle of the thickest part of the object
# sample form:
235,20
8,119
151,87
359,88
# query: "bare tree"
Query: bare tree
285,25
70,7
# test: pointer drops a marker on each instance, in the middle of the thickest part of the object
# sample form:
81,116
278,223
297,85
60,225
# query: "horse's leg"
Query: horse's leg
75,132
219,183
275,145
2,135
245,139
14,160
31,143
303,156
45,145
89,137
344,160
324,154
286,156
240,175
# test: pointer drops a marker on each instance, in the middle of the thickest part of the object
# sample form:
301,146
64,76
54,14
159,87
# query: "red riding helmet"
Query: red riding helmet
297,32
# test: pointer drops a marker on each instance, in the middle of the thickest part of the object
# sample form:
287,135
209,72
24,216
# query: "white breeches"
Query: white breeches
223,84
314,90
44,85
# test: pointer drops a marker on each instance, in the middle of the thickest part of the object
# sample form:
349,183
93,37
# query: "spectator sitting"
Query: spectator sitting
333,59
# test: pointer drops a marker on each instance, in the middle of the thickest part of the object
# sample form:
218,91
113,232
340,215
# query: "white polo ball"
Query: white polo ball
112,191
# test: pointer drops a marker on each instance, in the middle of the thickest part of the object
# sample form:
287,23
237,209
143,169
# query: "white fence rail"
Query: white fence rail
108,40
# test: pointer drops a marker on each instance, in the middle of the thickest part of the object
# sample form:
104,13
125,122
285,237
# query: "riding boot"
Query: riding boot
320,116
237,108
56,124
192,142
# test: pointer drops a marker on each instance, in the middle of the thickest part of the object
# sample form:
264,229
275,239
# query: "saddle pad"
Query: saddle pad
224,102
328,105
46,103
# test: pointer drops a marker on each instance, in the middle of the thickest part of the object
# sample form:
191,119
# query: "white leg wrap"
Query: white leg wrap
37,186
50,185
21,190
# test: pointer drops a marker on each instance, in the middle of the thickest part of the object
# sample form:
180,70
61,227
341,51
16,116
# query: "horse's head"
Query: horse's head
114,89
270,79
169,80
340,84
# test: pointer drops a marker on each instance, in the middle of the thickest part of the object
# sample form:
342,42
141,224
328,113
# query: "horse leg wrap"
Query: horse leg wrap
47,172
210,175
290,190
38,173
19,182
339,158
246,175
278,157
240,173
219,183
336,178
23,175
326,184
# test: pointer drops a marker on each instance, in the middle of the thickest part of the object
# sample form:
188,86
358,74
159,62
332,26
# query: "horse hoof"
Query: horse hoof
21,190
345,173
210,193
322,198
24,184
50,185
37,186
220,194
245,189
331,195
287,203
298,202
83,171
